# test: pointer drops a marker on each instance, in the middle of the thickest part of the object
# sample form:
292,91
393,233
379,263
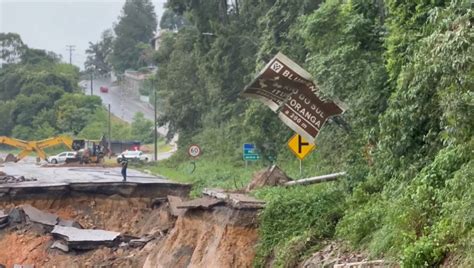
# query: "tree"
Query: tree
98,54
172,21
136,25
11,47
142,129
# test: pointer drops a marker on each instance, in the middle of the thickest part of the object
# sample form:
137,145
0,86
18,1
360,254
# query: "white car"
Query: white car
60,158
133,155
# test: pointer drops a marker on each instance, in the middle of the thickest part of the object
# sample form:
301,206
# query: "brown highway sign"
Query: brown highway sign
289,90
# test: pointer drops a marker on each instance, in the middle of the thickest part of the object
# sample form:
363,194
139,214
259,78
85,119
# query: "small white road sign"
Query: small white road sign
194,150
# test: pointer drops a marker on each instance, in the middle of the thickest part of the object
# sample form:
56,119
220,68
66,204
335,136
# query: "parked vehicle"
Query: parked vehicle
104,89
133,156
61,158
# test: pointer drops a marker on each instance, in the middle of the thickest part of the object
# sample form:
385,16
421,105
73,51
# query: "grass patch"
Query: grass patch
219,173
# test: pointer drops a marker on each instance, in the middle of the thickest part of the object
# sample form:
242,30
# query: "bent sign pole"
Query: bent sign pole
289,90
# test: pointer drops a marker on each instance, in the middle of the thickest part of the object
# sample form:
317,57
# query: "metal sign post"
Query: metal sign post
301,169
194,151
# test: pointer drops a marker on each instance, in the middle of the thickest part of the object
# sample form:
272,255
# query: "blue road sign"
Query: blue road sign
250,153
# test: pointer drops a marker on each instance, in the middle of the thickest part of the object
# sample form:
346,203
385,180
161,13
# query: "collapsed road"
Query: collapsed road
84,217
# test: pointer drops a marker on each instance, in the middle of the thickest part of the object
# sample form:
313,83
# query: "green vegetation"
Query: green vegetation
98,54
404,69
40,98
133,32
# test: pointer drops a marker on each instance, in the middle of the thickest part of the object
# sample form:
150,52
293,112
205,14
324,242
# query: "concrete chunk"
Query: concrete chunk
174,202
204,202
69,223
217,193
85,238
61,246
3,217
242,201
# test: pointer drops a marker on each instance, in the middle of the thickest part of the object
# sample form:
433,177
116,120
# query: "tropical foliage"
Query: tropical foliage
404,69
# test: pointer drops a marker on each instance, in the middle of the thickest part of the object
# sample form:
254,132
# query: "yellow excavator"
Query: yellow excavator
38,147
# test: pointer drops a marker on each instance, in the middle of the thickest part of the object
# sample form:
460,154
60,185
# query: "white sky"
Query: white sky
53,24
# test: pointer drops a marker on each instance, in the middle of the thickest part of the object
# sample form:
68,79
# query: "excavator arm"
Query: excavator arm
13,142
36,146
55,141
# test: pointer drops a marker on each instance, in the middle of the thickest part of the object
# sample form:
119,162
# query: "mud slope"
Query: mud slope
220,237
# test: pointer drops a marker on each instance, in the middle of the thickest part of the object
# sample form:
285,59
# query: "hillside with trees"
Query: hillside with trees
405,71
39,95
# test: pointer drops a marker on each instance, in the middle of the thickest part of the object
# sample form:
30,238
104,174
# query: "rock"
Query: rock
38,216
16,216
61,246
139,243
85,238
23,266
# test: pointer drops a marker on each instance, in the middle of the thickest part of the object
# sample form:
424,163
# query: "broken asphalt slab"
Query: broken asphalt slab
203,202
63,181
236,200
38,216
85,238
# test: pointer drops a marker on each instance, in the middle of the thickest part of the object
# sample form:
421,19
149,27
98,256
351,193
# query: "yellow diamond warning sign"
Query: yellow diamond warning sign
300,147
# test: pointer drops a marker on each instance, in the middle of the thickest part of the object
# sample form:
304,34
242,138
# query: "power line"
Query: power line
71,48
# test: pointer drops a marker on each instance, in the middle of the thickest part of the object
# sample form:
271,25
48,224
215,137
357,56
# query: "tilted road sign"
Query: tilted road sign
289,90
300,147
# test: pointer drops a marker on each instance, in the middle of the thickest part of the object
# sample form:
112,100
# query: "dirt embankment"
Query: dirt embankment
220,236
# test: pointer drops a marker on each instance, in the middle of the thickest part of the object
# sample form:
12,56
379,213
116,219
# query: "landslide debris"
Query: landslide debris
272,176
170,231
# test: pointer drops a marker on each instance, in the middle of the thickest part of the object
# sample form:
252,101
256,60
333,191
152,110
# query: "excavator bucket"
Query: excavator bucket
10,158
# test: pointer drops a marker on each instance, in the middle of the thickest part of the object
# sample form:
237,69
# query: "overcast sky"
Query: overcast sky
54,24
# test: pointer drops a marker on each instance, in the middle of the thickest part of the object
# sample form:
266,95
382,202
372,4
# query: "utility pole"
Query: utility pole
110,134
71,49
92,84
155,132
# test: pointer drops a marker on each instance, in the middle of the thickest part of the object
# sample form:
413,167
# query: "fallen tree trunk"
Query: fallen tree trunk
318,179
